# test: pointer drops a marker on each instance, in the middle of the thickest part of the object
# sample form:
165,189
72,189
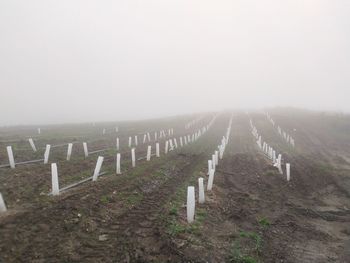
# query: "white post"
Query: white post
288,171
129,142
104,131
54,180
191,205
221,151
69,151
10,156
181,143
117,142
39,131
201,197
149,149
116,129
157,150
118,163
210,166
97,168
86,152
133,159
216,157
144,138
2,204
47,153
136,140
279,164
171,144
210,179
213,161
166,147
149,137
31,142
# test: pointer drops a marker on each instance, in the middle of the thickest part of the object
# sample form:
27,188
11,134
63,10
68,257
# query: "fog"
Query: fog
75,61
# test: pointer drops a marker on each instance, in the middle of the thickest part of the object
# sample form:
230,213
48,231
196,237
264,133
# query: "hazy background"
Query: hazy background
70,60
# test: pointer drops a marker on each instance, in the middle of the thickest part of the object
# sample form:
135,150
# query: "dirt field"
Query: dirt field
252,214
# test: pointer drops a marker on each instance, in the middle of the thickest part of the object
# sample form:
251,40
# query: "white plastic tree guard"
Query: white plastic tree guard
54,179
97,168
117,143
129,142
149,137
191,204
104,131
136,140
39,131
10,156
3,208
69,151
210,179
149,150
47,153
288,171
86,151
216,157
116,129
201,196
133,158
31,142
166,147
210,166
157,150
118,164
171,145
181,143
213,161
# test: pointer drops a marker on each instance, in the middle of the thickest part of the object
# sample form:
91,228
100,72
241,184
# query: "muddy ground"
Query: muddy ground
252,214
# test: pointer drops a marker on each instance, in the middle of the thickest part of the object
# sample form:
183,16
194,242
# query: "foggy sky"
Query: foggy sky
74,61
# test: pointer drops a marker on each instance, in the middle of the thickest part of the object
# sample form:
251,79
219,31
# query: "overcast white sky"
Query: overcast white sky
81,60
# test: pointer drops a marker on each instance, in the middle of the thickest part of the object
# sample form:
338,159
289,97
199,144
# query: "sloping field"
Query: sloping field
252,214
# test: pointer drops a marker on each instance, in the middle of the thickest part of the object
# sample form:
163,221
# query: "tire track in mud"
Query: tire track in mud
140,228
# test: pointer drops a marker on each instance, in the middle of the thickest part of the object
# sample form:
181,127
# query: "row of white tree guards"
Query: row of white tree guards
270,152
194,122
287,137
146,137
170,145
212,163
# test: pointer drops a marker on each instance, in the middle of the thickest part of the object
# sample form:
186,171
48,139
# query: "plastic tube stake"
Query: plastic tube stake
157,149
118,164
69,151
31,142
54,179
133,158
47,153
97,168
201,196
191,205
3,208
10,156
149,149
86,152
